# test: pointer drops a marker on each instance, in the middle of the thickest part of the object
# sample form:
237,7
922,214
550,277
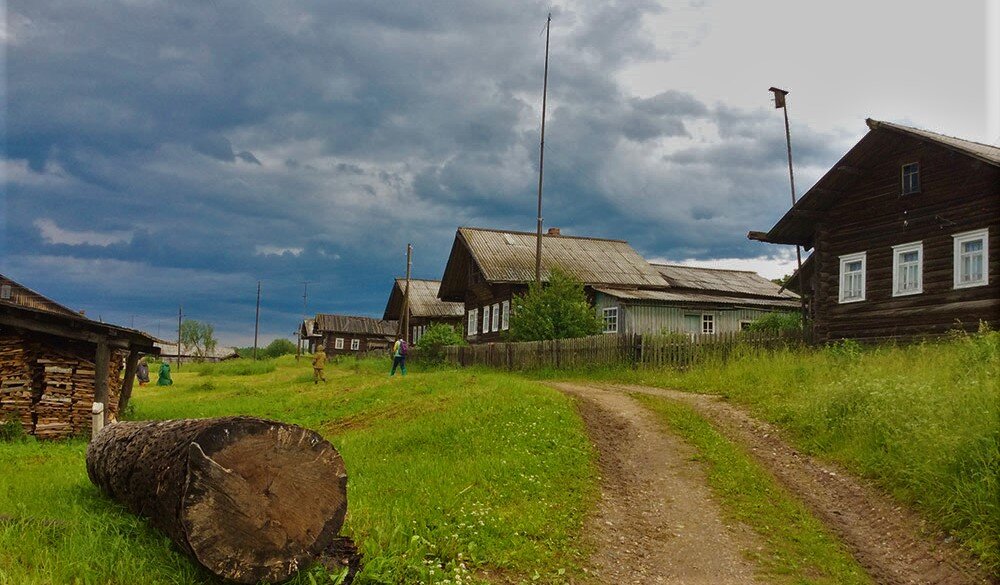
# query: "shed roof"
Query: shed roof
690,297
743,282
797,226
353,324
424,301
24,296
504,256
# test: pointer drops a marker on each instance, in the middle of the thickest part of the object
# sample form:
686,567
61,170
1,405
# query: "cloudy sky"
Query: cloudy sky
174,153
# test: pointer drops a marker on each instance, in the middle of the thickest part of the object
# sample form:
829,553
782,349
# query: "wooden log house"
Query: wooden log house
425,307
905,237
350,335
55,363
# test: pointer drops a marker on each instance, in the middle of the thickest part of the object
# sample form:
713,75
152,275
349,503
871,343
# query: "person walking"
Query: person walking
164,379
142,372
398,356
319,362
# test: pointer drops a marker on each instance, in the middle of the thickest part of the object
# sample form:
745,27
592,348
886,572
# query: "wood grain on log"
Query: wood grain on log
250,499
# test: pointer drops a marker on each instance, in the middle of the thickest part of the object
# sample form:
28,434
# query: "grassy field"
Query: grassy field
922,420
455,477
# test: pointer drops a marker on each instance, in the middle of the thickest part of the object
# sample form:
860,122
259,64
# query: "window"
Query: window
496,317
972,258
415,336
611,320
505,315
911,178
486,319
338,343
473,321
5,292
355,344
907,269
852,277
745,325
708,324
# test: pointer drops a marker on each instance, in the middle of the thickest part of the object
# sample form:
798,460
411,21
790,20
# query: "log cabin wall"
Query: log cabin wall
481,296
365,343
958,194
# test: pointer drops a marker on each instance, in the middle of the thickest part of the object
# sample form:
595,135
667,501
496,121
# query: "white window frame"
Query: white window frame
486,319
355,344
847,259
338,343
473,323
897,253
708,319
505,315
6,292
609,314
902,175
962,238
415,335
745,325
496,316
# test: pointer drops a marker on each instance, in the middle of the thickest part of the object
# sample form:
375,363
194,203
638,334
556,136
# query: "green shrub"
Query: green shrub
435,339
11,429
237,367
778,322
557,310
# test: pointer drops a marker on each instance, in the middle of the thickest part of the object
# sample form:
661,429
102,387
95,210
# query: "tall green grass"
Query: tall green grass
923,420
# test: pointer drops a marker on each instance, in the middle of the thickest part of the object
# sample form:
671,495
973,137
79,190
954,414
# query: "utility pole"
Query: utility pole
256,323
541,159
780,102
305,315
406,294
180,314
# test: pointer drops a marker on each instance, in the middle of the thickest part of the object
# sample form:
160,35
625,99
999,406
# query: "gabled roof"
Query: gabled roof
798,224
691,297
721,280
509,257
352,324
424,301
24,296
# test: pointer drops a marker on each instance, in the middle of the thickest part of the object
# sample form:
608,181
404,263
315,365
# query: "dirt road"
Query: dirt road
650,484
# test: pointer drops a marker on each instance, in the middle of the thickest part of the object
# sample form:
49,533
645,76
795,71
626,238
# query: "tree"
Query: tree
434,340
557,310
198,338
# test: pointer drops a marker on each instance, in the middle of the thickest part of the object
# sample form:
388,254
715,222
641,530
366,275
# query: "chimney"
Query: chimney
553,232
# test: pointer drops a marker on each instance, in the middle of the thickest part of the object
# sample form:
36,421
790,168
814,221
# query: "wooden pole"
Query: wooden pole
256,323
102,356
180,314
541,159
406,295
130,364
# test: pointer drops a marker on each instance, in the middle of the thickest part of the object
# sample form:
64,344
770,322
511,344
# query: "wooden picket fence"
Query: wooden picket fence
610,350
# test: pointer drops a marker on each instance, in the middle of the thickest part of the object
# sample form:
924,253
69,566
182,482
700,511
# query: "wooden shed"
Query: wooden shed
905,232
55,363
425,307
349,334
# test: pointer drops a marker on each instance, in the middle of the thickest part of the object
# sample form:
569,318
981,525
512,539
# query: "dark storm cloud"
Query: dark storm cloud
180,151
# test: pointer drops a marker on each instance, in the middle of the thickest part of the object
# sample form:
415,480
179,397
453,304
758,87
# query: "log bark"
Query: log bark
251,500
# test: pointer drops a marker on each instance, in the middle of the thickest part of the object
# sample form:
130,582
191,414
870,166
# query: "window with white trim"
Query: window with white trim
415,336
355,344
907,269
911,178
745,325
972,258
852,277
610,320
496,316
486,319
505,315
5,292
473,322
708,324
338,343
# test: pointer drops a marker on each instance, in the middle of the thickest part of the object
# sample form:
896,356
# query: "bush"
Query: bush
778,322
275,349
435,339
558,310
11,429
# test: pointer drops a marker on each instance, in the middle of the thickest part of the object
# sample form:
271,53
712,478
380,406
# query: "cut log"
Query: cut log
251,500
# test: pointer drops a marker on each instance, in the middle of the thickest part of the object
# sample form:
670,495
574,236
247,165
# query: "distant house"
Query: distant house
904,232
695,300
425,307
348,335
309,336
168,352
487,268
55,363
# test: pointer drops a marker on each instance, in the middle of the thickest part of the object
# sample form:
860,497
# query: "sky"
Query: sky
160,154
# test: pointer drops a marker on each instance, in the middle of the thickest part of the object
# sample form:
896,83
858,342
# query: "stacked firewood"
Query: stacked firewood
17,393
55,406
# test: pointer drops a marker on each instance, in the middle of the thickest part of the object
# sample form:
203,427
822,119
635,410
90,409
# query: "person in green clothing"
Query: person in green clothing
164,375
319,362
399,351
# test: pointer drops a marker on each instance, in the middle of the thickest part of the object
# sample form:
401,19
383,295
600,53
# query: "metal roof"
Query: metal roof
693,298
507,256
742,282
168,349
984,152
424,301
351,324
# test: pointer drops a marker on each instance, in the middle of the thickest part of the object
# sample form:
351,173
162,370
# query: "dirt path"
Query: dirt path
657,521
888,540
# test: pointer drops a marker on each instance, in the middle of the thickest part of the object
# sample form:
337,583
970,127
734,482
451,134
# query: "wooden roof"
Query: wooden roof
692,297
169,350
424,301
741,282
24,296
797,226
327,323
509,257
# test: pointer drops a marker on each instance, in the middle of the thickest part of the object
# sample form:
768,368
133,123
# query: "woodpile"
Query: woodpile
50,388
249,499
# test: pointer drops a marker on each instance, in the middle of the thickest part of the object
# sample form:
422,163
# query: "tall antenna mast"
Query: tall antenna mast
541,159
256,323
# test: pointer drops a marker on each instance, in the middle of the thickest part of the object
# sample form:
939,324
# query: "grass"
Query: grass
796,548
455,477
922,420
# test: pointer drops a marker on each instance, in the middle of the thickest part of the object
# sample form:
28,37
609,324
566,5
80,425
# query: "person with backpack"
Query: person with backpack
398,356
